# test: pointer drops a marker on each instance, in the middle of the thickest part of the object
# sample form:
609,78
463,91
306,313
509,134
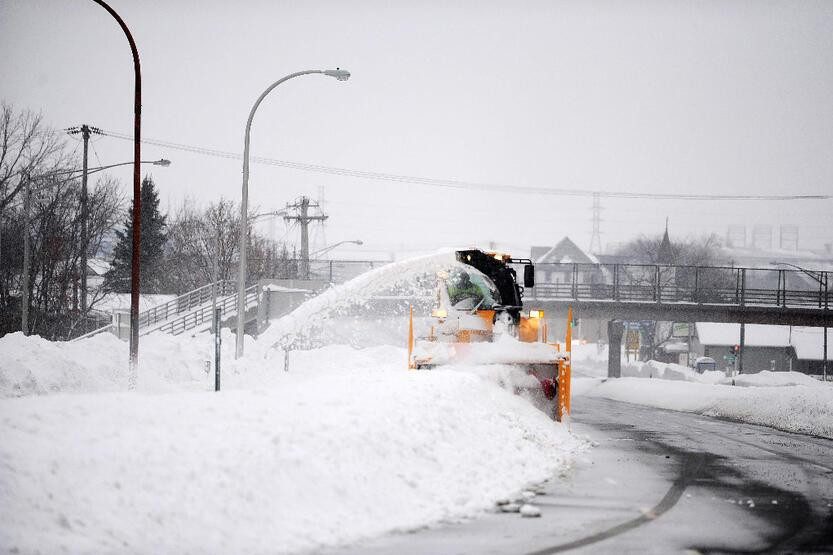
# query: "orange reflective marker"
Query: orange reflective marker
569,364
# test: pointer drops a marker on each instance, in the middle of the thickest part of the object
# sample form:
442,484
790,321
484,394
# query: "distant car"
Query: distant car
703,364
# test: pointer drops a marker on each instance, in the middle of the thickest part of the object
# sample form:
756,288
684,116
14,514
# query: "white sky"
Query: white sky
704,97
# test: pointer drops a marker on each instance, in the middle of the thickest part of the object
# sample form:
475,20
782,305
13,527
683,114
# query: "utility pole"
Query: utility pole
24,293
301,208
85,131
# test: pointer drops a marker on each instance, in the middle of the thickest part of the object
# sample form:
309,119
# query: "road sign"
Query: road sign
680,329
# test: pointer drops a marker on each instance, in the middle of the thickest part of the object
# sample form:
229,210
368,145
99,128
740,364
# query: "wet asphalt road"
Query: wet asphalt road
659,481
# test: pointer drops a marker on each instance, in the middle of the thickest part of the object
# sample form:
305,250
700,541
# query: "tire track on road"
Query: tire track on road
691,465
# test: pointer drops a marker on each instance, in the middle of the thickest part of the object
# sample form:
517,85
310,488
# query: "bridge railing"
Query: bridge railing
204,314
339,271
682,284
184,303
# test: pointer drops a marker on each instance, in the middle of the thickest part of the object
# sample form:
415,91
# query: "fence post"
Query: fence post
218,340
616,282
656,284
696,285
782,286
575,281
742,286
331,271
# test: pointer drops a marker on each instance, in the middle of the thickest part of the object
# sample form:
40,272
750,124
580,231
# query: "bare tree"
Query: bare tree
33,154
202,243
27,147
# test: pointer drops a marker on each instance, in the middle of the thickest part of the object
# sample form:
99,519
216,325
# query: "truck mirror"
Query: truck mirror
529,275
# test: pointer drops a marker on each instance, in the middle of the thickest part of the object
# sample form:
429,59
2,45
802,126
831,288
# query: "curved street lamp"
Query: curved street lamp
331,247
137,197
161,162
822,279
341,75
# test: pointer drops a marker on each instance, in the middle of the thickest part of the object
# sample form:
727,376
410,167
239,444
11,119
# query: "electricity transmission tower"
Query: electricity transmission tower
301,215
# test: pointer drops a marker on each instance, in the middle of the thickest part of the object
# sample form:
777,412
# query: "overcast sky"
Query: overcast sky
703,97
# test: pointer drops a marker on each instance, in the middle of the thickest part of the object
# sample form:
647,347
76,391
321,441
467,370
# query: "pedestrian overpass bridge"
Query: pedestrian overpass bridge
684,293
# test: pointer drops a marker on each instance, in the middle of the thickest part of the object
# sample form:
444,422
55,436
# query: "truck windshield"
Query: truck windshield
467,290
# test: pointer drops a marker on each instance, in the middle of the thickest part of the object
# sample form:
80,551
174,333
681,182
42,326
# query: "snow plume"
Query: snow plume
297,328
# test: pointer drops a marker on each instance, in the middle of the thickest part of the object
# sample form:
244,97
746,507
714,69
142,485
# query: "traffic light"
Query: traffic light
735,349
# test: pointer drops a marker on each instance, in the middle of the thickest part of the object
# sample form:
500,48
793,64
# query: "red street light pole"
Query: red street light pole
137,199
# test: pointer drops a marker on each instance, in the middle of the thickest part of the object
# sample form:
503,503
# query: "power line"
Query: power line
457,184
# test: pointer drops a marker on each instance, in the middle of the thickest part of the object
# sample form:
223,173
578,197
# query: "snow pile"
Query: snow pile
34,365
346,445
676,372
804,409
767,378
669,371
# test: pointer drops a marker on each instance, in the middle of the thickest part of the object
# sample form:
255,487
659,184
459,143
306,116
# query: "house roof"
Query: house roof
756,335
97,266
807,342
564,251
537,252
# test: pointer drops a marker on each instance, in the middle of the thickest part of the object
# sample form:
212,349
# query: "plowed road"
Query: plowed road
658,482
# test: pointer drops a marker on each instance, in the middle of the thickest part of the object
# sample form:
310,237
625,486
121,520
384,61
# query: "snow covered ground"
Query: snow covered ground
789,401
348,444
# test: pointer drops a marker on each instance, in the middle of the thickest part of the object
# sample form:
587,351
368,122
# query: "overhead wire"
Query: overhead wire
469,185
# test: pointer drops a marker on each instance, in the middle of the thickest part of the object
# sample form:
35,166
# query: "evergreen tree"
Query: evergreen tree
153,241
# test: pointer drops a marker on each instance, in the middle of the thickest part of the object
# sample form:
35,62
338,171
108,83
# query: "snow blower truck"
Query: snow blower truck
478,319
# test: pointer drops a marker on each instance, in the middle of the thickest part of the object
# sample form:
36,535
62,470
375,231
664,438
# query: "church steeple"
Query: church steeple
665,253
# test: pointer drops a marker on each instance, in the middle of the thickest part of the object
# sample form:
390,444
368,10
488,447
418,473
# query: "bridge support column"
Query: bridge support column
615,330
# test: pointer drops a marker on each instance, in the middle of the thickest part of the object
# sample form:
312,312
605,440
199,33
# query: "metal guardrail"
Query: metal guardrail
203,314
96,331
339,271
182,304
711,285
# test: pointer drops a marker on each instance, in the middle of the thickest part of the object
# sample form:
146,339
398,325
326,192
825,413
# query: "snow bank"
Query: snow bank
346,445
36,366
767,378
669,371
789,401
804,409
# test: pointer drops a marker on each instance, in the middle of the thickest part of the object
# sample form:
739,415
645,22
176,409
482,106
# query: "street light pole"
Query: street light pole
341,75
824,288
137,198
24,287
85,134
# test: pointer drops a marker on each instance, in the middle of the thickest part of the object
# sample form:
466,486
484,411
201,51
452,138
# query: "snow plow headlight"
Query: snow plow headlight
536,313
439,313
